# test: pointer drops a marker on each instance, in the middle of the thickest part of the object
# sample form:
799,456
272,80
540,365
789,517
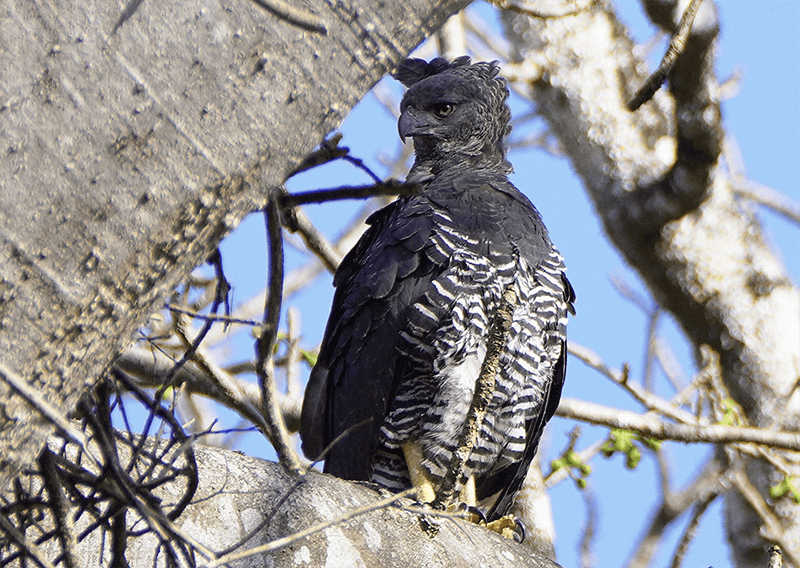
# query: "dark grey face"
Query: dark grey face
437,107
452,112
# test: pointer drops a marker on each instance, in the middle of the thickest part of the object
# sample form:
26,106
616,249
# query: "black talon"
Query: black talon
519,533
474,511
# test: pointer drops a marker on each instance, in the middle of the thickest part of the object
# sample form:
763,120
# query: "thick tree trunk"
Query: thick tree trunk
668,206
133,140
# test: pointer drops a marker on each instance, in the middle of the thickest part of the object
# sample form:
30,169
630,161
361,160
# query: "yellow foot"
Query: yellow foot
509,527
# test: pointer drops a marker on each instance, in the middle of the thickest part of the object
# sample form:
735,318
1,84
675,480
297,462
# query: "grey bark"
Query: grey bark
667,204
133,139
239,505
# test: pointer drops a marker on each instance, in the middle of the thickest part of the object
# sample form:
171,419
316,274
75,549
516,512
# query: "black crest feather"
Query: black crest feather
413,70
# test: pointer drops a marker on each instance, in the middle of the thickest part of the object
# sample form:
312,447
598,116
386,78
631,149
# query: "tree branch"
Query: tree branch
266,341
388,187
654,427
676,46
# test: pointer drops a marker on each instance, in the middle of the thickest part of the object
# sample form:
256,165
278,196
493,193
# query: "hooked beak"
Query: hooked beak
411,124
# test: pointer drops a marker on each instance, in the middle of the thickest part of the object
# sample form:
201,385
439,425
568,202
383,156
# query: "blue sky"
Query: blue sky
761,40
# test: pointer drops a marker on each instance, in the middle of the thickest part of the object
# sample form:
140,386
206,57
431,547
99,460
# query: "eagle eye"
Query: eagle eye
443,109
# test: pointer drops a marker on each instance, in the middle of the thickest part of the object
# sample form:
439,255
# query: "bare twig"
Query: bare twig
293,15
293,355
649,400
328,151
772,525
588,533
388,187
266,341
211,317
47,410
654,427
286,541
557,476
221,291
298,221
202,377
771,198
64,521
689,533
31,550
710,481
676,46
650,349
488,37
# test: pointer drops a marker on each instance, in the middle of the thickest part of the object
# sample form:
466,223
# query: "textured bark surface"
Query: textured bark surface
133,140
237,507
711,267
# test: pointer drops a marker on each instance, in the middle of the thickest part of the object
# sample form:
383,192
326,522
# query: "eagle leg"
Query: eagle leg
420,478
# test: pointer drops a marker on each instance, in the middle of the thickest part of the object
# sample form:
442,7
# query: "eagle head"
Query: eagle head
454,109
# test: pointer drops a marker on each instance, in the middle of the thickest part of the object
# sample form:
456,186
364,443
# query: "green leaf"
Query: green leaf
785,487
624,441
310,357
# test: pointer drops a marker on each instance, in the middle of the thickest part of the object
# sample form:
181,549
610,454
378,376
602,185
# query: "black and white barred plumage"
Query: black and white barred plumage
415,300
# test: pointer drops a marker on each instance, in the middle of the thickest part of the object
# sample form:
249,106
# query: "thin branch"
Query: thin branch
649,400
211,317
294,15
221,291
669,364
484,388
300,278
626,291
772,525
297,221
561,474
203,377
488,36
293,353
589,531
712,480
654,427
771,198
28,550
266,342
359,163
59,505
650,349
676,47
691,529
47,410
388,187
286,541
328,151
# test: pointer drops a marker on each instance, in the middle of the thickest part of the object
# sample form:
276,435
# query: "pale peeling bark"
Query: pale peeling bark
668,206
133,139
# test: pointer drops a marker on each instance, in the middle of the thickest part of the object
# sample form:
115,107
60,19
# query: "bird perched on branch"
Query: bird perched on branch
416,302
